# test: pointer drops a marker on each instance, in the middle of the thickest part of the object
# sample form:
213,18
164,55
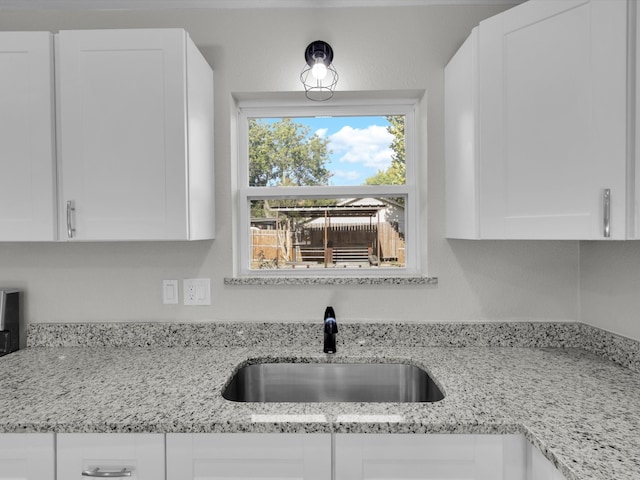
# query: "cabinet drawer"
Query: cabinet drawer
141,454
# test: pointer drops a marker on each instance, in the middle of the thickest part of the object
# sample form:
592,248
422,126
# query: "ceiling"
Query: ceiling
226,4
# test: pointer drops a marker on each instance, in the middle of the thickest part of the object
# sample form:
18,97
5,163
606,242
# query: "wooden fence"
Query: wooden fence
272,248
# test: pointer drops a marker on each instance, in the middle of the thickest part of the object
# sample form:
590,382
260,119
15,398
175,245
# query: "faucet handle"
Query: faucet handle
330,323
329,313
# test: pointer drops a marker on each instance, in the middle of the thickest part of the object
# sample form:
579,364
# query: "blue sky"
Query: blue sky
360,146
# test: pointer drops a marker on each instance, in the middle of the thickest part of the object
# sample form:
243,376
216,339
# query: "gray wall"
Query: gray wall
610,286
262,51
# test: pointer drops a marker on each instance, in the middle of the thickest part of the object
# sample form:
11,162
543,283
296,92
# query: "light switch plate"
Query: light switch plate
170,292
196,291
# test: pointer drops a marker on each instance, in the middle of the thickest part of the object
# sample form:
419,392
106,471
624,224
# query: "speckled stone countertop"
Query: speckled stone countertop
580,409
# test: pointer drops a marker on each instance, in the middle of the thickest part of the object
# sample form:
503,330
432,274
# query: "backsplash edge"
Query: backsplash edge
622,350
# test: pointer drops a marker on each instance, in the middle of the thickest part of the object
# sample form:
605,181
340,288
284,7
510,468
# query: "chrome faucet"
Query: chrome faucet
330,330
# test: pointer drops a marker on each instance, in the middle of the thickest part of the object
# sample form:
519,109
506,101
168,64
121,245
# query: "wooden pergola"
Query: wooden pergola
335,211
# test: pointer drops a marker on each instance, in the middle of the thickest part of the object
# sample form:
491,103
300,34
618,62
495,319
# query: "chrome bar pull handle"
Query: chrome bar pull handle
606,201
70,209
97,473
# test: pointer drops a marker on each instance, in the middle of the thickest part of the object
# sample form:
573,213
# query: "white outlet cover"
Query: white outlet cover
196,291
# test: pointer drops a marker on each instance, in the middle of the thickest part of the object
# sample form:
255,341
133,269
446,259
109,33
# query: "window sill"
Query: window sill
339,280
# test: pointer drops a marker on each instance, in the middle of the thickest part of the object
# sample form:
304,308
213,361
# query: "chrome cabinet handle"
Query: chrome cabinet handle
70,230
95,472
606,200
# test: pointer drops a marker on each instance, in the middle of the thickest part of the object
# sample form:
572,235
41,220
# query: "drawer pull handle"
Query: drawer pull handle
96,473
606,200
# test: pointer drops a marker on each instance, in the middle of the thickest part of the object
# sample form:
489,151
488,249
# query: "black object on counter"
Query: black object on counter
9,320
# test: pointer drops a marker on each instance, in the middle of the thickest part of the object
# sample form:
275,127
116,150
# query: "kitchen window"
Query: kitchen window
327,190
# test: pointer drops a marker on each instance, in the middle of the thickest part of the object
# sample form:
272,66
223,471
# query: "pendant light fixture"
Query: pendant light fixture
319,77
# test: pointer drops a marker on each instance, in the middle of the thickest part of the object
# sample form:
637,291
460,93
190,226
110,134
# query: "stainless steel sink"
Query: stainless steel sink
332,382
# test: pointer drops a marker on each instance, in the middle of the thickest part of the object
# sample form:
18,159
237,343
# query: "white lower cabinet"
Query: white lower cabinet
437,456
86,455
261,456
27,456
248,456
354,457
539,468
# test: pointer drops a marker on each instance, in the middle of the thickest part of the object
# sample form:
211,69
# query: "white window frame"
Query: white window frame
251,109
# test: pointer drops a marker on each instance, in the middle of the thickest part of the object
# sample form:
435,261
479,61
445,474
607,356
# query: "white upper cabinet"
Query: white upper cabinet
27,144
461,140
636,135
536,124
136,136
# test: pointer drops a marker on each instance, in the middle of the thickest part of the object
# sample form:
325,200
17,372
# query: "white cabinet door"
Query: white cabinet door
461,141
552,119
27,158
248,456
27,456
539,468
410,456
98,453
635,203
136,133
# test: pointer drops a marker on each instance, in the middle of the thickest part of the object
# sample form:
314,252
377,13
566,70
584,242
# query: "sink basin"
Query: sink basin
332,382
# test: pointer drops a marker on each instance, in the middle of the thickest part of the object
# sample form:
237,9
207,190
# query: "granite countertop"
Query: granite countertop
580,409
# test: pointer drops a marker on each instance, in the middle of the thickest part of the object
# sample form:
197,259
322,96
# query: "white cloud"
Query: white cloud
368,147
348,175
322,132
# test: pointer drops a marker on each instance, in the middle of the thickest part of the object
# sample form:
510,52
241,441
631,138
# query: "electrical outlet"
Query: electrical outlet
196,291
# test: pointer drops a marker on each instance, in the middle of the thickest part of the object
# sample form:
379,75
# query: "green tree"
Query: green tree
284,153
395,174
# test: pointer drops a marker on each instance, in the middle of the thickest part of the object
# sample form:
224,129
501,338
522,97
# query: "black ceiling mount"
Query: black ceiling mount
318,50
